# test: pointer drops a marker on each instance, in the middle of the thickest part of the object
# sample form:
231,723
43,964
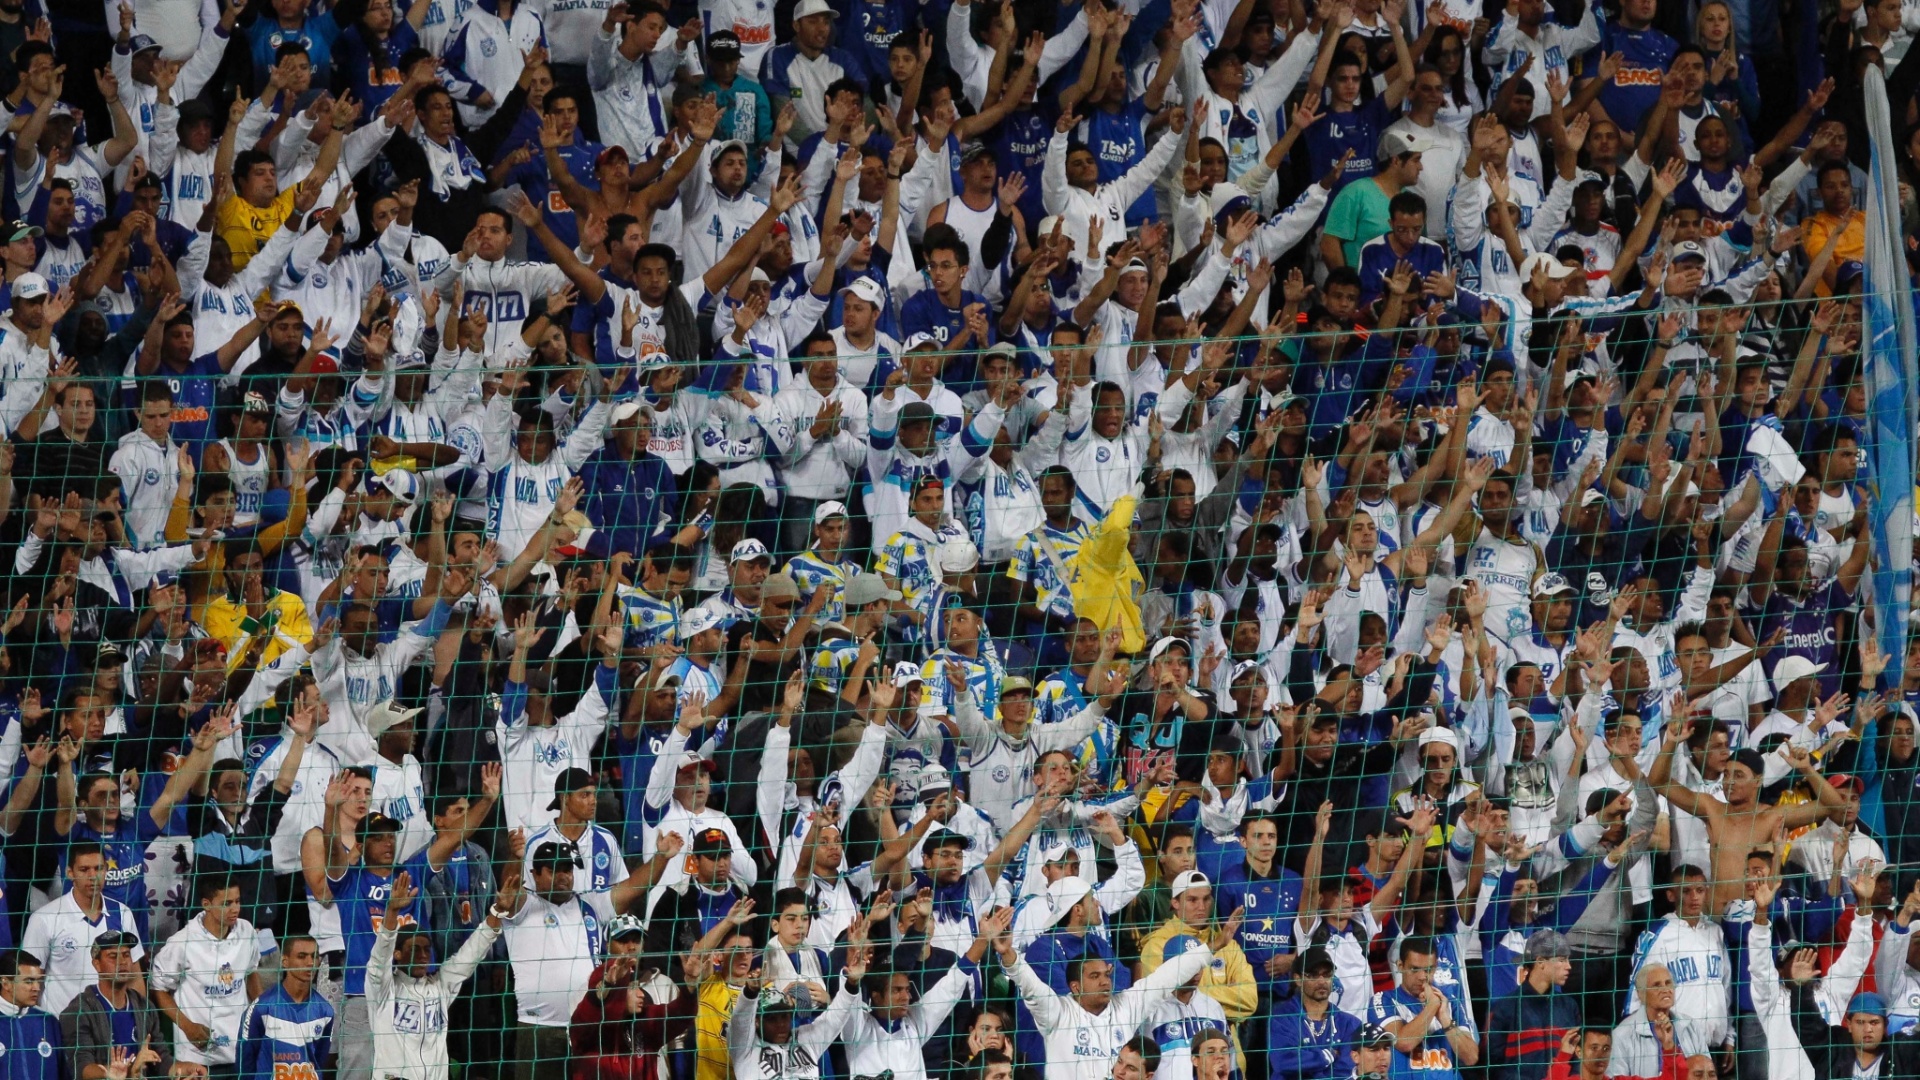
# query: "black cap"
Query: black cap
712,842
115,939
944,837
917,410
378,823
723,43
109,655
1316,959
552,855
568,782
1373,1036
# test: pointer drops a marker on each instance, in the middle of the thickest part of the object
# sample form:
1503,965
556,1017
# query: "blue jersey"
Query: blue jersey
925,314
361,897
1378,259
1303,1049
194,394
1022,148
1118,141
1269,906
538,184
1434,1059
1645,56
1809,627
284,1039
866,33
30,1045
1338,132
125,846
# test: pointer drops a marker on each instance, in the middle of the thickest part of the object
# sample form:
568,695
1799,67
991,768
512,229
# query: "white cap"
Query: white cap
866,288
958,555
388,714
30,286
759,275
1555,268
905,674
813,7
1591,496
1160,647
697,621
1062,895
829,509
749,550
401,484
1791,670
1402,141
1187,879
1552,584
1441,735
625,411
1057,851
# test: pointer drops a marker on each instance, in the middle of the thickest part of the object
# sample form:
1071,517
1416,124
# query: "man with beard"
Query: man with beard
1308,1038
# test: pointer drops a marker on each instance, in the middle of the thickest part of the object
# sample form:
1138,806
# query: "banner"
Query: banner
1887,352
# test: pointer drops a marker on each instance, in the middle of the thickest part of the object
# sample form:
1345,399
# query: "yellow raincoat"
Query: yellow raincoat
1106,584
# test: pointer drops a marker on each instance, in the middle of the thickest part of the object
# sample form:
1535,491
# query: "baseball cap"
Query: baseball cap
905,673
829,509
692,760
864,588
22,230
1541,260
1180,945
378,823
941,836
609,153
974,151
625,926
749,550
667,680
1004,348
256,402
933,781
917,410
1848,272
920,340
401,484
1160,647
1791,670
1591,496
778,586
1187,879
1061,851
140,43
568,782
1015,684
30,286
712,842
1402,141
1688,249
1552,585
723,43
550,854
698,621
1373,1036
808,8
869,290
1847,782
389,715
1546,944
625,411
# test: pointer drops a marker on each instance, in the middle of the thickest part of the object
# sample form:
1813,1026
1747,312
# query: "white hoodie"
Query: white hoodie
408,1015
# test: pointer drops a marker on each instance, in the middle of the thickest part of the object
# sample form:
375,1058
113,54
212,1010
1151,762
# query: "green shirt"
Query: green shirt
1358,214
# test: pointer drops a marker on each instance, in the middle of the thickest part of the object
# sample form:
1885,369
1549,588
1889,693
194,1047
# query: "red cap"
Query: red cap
601,158
325,365
780,228
1847,781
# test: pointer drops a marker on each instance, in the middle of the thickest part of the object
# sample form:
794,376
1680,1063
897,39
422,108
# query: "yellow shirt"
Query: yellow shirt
1227,980
225,616
246,227
1107,585
1853,240
711,1060
206,580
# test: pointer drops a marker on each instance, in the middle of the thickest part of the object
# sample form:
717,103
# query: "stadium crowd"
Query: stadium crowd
960,540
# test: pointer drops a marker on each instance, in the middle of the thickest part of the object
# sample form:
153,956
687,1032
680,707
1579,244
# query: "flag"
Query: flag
1887,354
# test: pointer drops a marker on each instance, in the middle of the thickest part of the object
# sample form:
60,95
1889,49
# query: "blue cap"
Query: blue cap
1848,272
1869,1003
165,579
1180,945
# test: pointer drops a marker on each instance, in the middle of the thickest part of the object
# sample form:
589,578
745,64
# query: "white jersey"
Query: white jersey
250,481
488,53
713,220
1490,436
221,311
353,684
553,948
408,1015
523,493
306,804
61,935
1082,1045
799,1057
207,977
1505,570
1702,975
534,757
505,290
400,792
1000,767
875,1046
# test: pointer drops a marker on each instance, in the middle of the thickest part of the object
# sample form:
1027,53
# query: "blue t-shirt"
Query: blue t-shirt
1022,148
1809,627
284,1039
1645,56
361,896
1337,132
1118,141
125,847
195,391
924,313
537,183
1434,1059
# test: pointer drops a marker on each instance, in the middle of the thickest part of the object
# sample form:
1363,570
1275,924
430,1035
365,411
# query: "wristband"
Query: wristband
493,910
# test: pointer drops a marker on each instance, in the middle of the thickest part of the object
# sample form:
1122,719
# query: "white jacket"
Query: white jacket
149,474
408,1015
875,1046
799,1057
1082,1045
1696,956
1786,1058
505,289
819,468
23,370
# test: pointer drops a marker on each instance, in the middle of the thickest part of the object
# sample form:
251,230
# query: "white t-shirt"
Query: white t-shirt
207,977
553,948
62,937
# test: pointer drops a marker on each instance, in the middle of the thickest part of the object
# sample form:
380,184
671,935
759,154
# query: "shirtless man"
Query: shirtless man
1742,823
